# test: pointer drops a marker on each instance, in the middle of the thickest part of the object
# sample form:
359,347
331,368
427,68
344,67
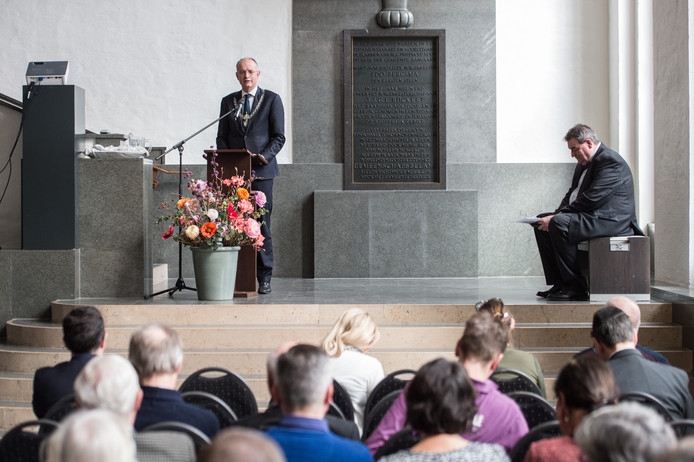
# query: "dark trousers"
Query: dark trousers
265,255
559,257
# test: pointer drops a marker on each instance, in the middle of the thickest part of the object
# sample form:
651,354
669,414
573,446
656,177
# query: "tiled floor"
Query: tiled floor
513,290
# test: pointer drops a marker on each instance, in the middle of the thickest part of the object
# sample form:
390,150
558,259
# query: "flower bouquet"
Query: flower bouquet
222,212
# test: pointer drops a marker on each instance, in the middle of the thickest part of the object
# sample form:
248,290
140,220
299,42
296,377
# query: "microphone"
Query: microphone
238,109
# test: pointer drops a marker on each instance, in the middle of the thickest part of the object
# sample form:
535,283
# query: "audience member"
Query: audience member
89,436
440,406
272,415
499,420
305,391
348,345
583,385
241,445
513,359
85,336
634,312
613,336
110,382
626,432
156,352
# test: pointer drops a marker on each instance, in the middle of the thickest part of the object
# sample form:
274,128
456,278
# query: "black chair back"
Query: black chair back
200,440
342,404
683,427
390,383
510,380
373,418
22,442
542,431
404,439
535,408
647,400
227,386
224,413
65,406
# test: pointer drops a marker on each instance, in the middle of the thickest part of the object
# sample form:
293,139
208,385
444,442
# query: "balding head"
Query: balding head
629,307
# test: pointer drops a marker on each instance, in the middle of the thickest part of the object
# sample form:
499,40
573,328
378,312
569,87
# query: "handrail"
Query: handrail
156,169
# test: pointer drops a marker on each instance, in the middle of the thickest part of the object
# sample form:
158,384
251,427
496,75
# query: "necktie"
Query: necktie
247,104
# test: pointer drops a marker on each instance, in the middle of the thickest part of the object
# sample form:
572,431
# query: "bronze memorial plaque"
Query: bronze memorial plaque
394,110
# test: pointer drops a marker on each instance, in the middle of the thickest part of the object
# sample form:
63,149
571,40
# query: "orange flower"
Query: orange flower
243,193
182,201
208,230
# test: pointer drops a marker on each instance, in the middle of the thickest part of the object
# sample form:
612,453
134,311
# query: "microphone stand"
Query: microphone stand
180,284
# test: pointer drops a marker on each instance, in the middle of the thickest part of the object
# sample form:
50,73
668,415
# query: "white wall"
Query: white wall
155,68
552,72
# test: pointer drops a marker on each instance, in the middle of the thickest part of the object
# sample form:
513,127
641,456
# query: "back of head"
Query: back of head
441,399
611,326
355,328
93,435
626,432
83,329
496,307
582,133
241,445
302,377
483,338
629,306
108,382
586,383
155,349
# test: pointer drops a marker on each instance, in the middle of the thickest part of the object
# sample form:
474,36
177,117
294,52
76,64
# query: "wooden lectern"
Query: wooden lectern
230,161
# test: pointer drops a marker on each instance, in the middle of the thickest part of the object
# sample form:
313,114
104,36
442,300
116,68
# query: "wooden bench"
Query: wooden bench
617,266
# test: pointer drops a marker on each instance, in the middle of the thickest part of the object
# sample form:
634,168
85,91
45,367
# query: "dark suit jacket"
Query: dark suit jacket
162,405
605,202
53,383
263,135
271,418
669,384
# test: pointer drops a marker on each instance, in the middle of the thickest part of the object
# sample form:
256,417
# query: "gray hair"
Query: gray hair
242,445
303,377
108,382
582,133
90,435
626,432
154,349
611,326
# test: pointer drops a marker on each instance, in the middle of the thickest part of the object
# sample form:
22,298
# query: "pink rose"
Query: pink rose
260,198
252,228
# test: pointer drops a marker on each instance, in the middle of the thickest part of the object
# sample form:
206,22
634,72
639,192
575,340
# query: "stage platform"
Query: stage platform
513,290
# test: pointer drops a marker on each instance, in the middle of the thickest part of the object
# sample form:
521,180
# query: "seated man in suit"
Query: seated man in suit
634,312
499,420
305,390
156,352
273,413
600,202
613,336
110,382
85,336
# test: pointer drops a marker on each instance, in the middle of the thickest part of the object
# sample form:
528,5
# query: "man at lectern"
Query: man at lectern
256,123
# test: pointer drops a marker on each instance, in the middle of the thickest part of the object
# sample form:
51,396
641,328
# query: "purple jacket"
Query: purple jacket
499,420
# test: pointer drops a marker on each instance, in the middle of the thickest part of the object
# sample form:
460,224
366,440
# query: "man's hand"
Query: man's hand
543,224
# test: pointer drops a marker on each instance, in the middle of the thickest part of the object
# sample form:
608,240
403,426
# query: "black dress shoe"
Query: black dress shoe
569,296
553,290
264,288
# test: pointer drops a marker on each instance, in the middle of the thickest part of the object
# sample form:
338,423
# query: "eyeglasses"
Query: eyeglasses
479,304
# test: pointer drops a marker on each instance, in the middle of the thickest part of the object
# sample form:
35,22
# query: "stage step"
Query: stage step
239,336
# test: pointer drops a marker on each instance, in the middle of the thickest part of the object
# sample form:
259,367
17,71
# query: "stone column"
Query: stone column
673,121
